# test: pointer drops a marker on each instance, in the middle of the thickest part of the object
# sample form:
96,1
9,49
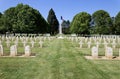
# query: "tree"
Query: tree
9,18
53,22
24,19
102,22
1,23
117,23
81,23
0,14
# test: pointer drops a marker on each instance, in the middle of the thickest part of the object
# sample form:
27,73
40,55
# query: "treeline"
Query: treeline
22,19
100,22
25,19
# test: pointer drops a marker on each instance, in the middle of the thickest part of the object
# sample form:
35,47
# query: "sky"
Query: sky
66,8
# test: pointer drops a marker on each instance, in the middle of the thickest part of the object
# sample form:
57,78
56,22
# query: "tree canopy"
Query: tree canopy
24,19
81,23
117,23
102,22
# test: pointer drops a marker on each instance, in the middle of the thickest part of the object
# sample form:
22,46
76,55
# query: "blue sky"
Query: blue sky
66,8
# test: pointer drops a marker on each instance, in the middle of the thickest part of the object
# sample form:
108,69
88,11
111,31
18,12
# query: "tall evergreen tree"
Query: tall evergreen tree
0,14
53,22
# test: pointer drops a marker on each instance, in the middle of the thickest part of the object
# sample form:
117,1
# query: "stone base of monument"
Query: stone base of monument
102,58
60,36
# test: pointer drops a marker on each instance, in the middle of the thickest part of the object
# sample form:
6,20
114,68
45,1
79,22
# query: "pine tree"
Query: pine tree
53,22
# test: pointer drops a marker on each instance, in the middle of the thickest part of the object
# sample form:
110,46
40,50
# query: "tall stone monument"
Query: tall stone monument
60,30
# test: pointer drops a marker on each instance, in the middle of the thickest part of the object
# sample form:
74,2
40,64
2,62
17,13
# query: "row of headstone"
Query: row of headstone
13,38
93,39
97,44
108,52
24,43
13,51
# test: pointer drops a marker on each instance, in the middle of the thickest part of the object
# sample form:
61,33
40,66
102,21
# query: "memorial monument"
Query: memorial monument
60,30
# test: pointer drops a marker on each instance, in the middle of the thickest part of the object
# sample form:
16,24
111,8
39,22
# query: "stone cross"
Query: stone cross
0,42
97,44
119,52
32,43
89,44
8,43
114,44
41,44
81,43
105,44
16,42
24,43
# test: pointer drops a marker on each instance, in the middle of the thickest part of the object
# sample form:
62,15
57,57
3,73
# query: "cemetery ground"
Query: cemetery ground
58,59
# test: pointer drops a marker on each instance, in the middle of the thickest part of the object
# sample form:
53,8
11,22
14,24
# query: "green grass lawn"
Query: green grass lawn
58,59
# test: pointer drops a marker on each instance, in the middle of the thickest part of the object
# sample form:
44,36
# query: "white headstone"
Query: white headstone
27,50
13,50
109,52
1,50
94,52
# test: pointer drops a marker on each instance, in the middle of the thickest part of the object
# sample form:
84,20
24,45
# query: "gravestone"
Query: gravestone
97,44
89,44
0,42
16,42
8,43
109,52
94,52
13,50
119,52
1,50
114,44
32,43
105,44
24,43
41,44
27,50
81,43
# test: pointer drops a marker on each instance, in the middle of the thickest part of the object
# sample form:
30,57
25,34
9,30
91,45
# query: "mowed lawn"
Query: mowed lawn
58,59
